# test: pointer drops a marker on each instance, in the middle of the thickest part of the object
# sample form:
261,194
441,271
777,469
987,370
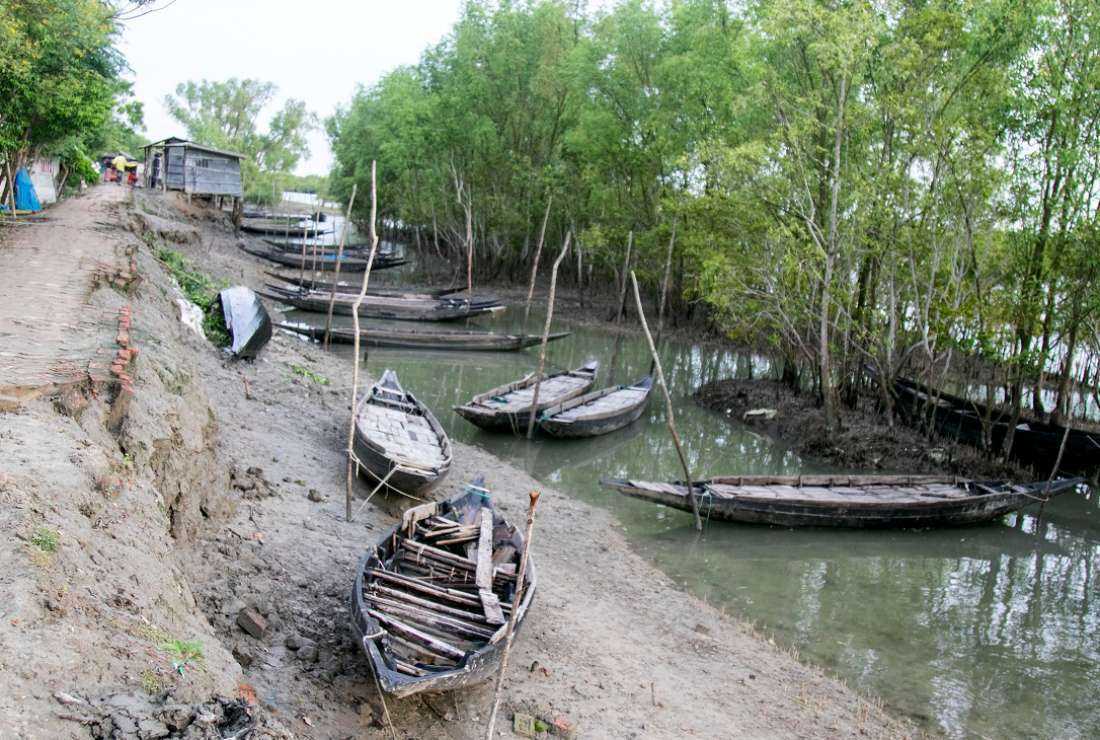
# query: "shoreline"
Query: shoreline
231,475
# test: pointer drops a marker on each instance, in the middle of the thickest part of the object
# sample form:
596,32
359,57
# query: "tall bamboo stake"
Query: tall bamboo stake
546,336
668,405
664,281
626,267
535,263
516,602
355,321
339,256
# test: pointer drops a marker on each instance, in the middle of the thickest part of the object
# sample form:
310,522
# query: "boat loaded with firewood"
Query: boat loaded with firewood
398,440
395,307
878,501
509,407
599,412
1035,443
469,341
431,599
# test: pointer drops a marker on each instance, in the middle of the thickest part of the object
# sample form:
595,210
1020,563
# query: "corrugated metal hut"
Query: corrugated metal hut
196,169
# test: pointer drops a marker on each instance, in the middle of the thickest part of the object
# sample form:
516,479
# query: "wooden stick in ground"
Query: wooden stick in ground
668,404
339,256
664,282
517,601
1054,470
355,322
626,268
535,263
546,336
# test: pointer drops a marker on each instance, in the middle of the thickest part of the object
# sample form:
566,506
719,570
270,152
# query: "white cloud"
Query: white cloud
317,51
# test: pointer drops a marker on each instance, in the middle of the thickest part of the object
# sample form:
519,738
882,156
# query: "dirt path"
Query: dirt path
611,645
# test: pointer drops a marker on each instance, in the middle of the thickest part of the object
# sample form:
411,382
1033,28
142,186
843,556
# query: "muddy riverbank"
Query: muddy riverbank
134,550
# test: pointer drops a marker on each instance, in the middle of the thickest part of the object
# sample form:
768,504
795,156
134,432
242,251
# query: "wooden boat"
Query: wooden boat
294,246
398,440
1035,443
316,281
599,412
324,263
431,598
861,501
384,307
276,227
508,408
469,341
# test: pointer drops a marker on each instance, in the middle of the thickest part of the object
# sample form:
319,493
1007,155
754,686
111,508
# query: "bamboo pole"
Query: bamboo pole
664,281
339,256
626,269
535,264
668,405
517,602
355,322
546,336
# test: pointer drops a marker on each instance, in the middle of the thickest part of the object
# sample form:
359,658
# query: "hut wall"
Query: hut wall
207,173
173,174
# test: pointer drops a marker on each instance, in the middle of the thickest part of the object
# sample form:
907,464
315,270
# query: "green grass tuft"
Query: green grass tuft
308,374
188,651
200,290
46,539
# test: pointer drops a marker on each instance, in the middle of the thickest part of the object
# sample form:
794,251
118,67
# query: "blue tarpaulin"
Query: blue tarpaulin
26,199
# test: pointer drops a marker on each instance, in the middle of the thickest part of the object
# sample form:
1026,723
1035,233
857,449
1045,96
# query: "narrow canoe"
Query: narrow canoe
398,440
347,264
599,412
384,307
508,408
317,281
469,341
1035,443
276,228
859,501
431,598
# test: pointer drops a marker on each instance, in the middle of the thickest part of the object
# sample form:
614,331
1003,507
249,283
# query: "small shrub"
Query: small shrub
187,651
308,374
200,290
46,539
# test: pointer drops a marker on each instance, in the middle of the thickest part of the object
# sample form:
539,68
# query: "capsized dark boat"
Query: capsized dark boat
397,308
431,598
598,412
318,282
859,501
468,341
246,319
1035,443
398,441
323,262
508,408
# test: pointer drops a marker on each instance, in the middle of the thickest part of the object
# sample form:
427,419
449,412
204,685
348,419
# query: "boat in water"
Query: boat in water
468,341
508,408
431,598
859,501
599,412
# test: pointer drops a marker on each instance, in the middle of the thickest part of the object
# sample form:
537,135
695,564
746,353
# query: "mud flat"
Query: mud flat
132,554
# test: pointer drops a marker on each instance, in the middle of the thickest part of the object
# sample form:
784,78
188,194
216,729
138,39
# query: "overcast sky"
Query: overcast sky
317,50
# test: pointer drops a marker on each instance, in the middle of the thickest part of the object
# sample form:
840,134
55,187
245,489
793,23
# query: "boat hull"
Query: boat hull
459,342
598,424
968,511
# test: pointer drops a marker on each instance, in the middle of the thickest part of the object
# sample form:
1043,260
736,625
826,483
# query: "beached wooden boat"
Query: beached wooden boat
398,440
467,341
318,282
598,412
323,262
294,246
431,599
397,308
1035,443
277,227
861,501
508,408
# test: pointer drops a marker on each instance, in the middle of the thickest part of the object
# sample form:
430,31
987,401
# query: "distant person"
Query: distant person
119,163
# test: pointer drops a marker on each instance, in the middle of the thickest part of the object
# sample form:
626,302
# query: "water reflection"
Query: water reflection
985,631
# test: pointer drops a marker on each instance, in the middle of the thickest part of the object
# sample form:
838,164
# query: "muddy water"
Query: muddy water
987,631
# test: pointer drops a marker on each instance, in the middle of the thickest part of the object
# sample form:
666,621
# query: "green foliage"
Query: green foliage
305,372
185,651
45,539
200,290
224,115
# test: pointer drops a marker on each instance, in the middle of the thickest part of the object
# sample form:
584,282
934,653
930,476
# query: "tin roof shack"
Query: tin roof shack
195,169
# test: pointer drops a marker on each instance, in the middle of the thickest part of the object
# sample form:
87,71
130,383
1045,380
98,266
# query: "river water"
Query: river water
985,631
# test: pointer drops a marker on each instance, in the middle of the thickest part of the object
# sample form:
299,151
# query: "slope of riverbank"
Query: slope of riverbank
223,489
